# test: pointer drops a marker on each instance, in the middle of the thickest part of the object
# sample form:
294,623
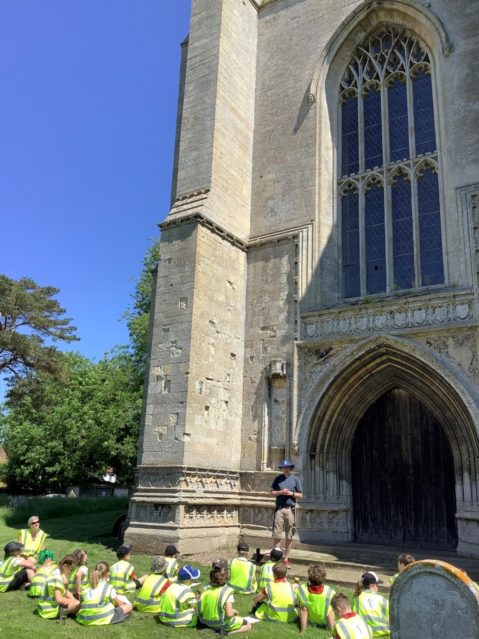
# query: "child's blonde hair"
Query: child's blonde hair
100,573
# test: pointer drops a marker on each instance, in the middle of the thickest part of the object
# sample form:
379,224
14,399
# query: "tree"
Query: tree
138,314
57,433
29,315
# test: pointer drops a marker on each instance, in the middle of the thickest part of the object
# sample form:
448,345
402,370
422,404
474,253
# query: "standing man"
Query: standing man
287,489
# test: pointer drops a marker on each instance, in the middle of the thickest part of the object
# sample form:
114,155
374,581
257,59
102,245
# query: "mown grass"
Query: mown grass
92,531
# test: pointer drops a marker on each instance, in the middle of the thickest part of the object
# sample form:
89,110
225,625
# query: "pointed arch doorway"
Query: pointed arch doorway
403,484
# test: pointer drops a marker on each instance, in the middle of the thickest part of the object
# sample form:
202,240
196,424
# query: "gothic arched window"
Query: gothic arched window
388,190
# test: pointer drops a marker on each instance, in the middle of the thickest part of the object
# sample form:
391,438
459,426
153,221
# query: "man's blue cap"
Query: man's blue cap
286,463
188,572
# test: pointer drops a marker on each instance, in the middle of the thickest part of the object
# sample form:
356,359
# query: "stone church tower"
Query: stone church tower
317,291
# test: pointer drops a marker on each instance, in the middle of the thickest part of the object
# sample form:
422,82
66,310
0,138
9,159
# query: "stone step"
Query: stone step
346,562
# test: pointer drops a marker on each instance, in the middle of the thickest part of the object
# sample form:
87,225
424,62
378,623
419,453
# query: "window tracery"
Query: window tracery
388,189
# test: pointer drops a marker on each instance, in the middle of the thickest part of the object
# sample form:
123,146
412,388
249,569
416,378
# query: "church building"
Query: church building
316,296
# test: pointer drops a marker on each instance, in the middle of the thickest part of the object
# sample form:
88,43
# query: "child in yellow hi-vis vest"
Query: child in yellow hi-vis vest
266,573
315,599
172,566
373,607
122,574
215,607
404,560
242,572
277,601
349,625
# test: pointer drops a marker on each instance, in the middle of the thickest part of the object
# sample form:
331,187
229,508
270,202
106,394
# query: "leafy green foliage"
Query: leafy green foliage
60,433
29,315
138,314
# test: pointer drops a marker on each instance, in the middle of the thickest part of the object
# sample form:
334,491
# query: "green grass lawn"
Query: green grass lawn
92,531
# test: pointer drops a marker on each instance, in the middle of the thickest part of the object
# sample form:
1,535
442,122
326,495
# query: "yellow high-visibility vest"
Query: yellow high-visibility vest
178,607
318,604
8,570
242,576
120,577
352,628
96,607
374,609
172,568
149,595
84,584
31,547
39,580
281,604
266,574
47,605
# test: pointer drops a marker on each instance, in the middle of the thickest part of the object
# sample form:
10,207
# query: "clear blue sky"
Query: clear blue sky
87,123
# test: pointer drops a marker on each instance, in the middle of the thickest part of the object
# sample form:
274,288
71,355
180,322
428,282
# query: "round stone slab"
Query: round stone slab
432,599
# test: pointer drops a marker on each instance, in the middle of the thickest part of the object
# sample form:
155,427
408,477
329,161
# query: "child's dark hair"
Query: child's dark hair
406,559
218,577
340,602
280,570
67,564
316,574
359,588
123,551
80,556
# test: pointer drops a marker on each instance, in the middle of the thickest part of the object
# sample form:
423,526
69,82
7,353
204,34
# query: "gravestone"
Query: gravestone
432,599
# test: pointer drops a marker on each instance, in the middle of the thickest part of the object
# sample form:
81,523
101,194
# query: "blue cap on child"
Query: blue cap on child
188,572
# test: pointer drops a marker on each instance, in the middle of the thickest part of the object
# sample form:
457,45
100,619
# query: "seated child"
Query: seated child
279,598
372,606
79,575
178,605
172,566
101,605
55,594
348,623
154,585
15,570
122,574
403,560
266,573
215,607
242,572
45,567
315,599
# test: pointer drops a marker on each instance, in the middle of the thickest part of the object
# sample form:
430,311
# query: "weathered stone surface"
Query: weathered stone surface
254,355
432,599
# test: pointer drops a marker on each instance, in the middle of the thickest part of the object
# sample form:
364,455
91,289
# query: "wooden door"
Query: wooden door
403,476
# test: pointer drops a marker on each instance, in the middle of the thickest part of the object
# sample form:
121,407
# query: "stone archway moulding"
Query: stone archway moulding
371,14
356,378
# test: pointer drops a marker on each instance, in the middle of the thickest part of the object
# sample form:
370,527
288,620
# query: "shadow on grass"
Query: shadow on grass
72,520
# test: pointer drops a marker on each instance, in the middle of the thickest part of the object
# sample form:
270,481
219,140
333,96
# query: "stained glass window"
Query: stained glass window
375,240
390,211
430,229
403,236
423,114
398,122
373,138
350,146
350,244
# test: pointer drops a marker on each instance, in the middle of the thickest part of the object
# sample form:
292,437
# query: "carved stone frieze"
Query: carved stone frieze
391,315
155,513
252,516
200,515
187,478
